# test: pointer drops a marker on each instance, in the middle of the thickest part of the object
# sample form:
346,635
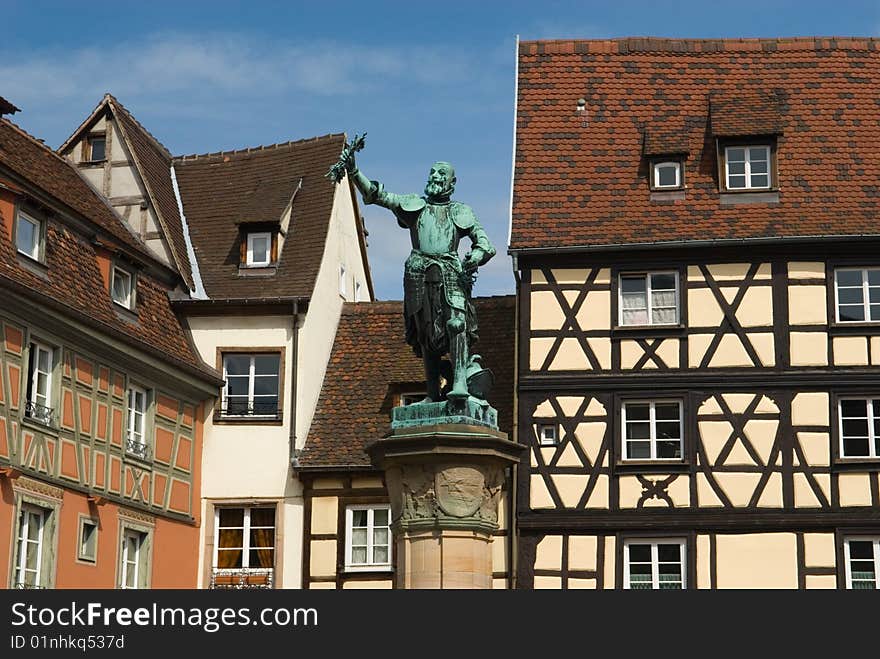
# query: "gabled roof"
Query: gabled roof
72,282
222,190
6,107
581,177
153,162
370,362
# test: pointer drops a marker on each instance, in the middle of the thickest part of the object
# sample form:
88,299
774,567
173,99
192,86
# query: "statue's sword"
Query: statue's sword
337,171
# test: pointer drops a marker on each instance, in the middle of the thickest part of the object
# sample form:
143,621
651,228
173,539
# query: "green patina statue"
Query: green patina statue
438,313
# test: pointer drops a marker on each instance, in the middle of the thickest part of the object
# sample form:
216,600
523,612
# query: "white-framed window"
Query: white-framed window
857,293
28,235
667,174
122,287
357,291
652,430
130,574
747,167
367,538
252,384
97,147
29,546
259,248
548,434
859,420
244,538
343,282
136,443
88,540
654,564
648,299
862,560
38,405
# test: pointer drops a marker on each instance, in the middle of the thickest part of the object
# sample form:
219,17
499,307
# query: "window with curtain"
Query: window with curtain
862,563
648,299
30,547
654,564
368,538
245,538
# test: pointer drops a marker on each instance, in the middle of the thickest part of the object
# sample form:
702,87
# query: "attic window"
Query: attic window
122,287
259,248
747,167
97,148
666,174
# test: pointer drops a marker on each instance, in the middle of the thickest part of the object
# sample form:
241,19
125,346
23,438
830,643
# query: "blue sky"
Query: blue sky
427,81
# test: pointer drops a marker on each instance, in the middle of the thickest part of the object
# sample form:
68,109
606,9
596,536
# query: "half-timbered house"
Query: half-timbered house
102,396
695,235
348,542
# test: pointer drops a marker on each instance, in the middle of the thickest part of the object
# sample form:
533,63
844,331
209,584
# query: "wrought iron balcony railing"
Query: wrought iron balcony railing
243,578
39,413
28,586
137,449
235,409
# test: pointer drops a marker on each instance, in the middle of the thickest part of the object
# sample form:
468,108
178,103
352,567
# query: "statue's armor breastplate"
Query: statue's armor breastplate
435,231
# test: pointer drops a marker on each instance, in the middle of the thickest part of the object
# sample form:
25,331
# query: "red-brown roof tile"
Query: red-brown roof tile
222,190
370,362
580,177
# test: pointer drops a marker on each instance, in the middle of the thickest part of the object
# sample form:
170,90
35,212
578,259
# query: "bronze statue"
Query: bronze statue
438,314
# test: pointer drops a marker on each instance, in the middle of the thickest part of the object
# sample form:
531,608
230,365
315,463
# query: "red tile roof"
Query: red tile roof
6,107
73,283
581,177
370,362
154,163
221,190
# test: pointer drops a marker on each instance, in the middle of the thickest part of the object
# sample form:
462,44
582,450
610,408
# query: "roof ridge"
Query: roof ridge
252,149
623,45
115,102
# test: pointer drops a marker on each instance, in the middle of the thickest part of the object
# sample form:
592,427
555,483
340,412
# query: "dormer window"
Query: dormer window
747,167
29,236
122,287
666,174
97,148
259,248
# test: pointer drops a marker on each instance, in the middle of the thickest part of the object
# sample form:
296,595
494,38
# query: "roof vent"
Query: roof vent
581,105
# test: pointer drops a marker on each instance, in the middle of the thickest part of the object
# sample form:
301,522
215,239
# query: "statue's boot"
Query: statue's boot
458,354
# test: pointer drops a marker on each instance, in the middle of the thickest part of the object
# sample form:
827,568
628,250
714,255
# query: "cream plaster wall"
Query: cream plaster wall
806,305
806,270
810,409
850,350
595,313
808,348
854,489
757,560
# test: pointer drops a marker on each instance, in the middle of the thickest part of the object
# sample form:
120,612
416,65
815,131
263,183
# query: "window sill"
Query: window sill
361,569
257,270
856,464
736,197
32,265
855,327
136,459
124,312
651,467
649,331
667,194
30,422
247,420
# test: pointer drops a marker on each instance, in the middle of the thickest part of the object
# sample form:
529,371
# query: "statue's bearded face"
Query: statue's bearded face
441,181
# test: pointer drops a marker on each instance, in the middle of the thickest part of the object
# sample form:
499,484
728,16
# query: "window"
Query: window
343,286
547,435
411,399
122,288
357,291
858,295
30,547
88,540
652,430
133,559
862,563
367,538
654,564
244,548
39,386
649,299
28,236
97,147
259,248
252,383
666,174
859,428
747,167
136,443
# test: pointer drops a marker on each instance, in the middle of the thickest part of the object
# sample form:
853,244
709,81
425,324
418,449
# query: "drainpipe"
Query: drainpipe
294,462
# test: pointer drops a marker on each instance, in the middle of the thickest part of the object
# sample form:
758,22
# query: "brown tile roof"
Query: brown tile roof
73,282
370,362
580,177
223,189
43,168
6,107
154,163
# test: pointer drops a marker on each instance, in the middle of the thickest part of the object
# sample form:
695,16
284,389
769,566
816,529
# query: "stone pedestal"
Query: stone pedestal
444,481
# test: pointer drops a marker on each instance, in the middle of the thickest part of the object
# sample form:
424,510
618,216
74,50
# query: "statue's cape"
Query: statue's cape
462,214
